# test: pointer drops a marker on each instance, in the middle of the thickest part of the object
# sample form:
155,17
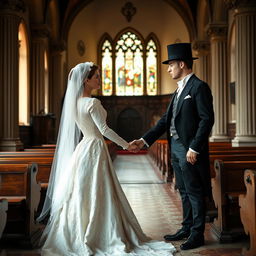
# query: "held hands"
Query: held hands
191,157
135,146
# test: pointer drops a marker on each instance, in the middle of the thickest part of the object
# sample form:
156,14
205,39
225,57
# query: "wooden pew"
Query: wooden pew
3,214
247,204
226,146
232,151
153,152
160,154
230,157
43,174
39,150
44,165
168,171
226,187
24,154
19,187
45,146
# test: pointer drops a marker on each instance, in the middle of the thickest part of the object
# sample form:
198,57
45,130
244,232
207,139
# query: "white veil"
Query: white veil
60,182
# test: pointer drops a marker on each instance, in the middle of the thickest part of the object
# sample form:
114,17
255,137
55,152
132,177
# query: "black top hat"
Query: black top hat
179,51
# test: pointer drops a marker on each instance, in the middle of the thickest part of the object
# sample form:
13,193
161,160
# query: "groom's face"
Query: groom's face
175,69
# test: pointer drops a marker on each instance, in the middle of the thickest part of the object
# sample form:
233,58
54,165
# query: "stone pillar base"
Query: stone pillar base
244,141
220,138
11,145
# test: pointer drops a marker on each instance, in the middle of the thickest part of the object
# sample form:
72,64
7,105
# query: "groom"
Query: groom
188,122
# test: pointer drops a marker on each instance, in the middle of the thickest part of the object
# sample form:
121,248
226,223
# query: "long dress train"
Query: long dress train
96,218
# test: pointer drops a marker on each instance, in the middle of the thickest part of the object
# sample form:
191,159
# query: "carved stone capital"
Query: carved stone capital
234,4
12,5
201,47
231,4
217,31
58,47
40,31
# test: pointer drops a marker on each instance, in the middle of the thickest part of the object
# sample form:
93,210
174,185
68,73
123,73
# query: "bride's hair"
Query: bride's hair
94,68
61,177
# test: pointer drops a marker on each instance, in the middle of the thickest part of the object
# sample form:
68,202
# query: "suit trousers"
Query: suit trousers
187,179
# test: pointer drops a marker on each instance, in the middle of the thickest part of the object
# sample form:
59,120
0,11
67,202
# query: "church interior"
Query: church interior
41,41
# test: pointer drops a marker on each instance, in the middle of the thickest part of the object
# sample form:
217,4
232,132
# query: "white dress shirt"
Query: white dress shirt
182,83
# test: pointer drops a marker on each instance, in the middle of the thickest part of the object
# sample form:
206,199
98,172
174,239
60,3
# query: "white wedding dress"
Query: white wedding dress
96,219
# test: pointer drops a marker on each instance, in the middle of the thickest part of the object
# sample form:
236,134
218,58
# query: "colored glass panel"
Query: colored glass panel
107,69
151,68
129,65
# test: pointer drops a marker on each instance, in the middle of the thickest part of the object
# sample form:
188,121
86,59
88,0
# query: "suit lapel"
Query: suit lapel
184,93
171,103
169,110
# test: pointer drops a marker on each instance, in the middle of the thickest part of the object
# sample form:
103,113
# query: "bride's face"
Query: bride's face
94,82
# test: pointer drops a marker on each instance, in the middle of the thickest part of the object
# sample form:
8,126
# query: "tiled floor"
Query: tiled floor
157,207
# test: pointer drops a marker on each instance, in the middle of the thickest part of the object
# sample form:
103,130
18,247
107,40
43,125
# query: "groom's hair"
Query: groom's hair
188,63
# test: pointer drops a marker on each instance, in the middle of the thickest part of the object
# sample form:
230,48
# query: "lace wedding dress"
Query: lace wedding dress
96,218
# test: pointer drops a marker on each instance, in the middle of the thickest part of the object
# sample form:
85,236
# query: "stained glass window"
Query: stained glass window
151,66
107,67
129,65
129,57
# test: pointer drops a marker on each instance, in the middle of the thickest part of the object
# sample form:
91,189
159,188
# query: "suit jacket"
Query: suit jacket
193,121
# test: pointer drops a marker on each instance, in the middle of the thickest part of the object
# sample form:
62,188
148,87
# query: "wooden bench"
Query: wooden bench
26,154
226,187
232,151
247,204
19,187
3,214
43,174
231,157
160,154
50,150
153,152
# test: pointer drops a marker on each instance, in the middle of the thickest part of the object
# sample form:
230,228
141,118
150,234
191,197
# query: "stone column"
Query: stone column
10,17
57,84
245,21
202,51
39,45
218,38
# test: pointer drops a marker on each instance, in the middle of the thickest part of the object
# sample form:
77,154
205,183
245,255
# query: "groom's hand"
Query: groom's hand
133,147
136,145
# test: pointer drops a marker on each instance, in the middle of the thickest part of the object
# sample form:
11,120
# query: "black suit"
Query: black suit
193,122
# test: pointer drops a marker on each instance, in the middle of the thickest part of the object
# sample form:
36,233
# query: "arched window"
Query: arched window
129,65
151,64
23,77
107,68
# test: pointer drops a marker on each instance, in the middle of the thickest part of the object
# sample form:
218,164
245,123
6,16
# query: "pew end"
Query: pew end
227,185
248,214
20,188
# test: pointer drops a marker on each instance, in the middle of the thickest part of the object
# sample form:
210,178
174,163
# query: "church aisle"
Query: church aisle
156,205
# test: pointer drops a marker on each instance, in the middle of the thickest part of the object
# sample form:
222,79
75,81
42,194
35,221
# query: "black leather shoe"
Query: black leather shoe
179,235
192,243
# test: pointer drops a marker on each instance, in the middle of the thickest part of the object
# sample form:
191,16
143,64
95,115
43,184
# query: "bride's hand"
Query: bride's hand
133,147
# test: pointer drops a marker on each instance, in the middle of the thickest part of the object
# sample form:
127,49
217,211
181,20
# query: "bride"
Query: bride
89,213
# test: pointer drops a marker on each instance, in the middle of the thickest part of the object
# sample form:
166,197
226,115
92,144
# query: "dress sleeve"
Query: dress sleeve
99,116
